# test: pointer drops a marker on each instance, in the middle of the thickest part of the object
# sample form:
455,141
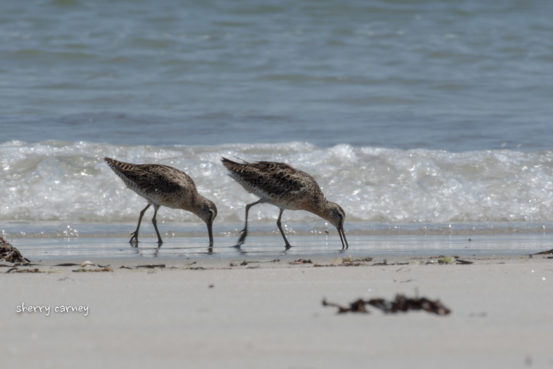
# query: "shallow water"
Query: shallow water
412,115
81,241
271,247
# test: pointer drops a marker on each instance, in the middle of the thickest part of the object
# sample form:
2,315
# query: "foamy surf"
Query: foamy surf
56,181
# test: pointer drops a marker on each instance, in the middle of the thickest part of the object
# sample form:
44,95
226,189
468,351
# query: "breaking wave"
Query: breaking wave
69,181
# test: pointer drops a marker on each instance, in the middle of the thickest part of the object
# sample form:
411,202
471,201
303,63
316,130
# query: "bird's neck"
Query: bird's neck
322,208
190,203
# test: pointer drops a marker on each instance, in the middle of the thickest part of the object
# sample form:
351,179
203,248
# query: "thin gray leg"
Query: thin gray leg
154,221
244,231
134,236
286,243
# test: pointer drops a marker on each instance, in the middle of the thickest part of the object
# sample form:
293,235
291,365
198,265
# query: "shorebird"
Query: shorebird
162,185
287,188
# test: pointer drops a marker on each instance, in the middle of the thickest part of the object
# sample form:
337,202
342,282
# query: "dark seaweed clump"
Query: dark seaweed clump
400,304
11,254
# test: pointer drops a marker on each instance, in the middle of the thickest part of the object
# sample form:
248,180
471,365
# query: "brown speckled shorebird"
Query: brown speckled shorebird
287,188
167,186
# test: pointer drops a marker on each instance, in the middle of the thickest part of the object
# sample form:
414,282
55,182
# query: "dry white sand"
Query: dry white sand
269,315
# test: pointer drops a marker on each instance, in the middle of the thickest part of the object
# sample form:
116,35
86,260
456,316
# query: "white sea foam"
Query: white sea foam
58,181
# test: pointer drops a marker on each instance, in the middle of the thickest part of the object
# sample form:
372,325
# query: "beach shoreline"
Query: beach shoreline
255,310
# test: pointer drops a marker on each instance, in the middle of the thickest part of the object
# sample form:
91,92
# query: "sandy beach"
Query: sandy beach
247,311
415,135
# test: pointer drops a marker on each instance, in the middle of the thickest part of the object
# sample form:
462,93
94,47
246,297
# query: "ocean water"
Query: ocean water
417,117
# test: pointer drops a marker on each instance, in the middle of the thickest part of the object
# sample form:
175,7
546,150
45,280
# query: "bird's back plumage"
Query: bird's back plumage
156,182
278,183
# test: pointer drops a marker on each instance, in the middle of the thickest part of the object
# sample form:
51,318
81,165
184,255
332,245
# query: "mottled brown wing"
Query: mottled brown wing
163,178
148,178
270,178
280,178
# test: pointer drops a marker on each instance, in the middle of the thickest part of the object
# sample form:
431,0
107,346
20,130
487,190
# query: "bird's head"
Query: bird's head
336,215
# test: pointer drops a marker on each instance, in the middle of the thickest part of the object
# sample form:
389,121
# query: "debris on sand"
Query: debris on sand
150,266
11,254
357,306
88,266
547,252
348,261
301,261
385,263
460,261
401,304
99,269
445,260
25,270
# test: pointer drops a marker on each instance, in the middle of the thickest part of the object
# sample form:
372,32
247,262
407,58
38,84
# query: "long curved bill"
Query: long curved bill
210,232
343,237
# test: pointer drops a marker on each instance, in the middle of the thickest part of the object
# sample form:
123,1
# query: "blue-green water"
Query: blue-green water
412,115
452,75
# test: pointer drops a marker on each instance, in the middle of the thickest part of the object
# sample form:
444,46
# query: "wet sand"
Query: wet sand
258,311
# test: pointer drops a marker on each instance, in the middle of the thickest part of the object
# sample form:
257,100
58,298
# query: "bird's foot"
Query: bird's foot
242,238
134,239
